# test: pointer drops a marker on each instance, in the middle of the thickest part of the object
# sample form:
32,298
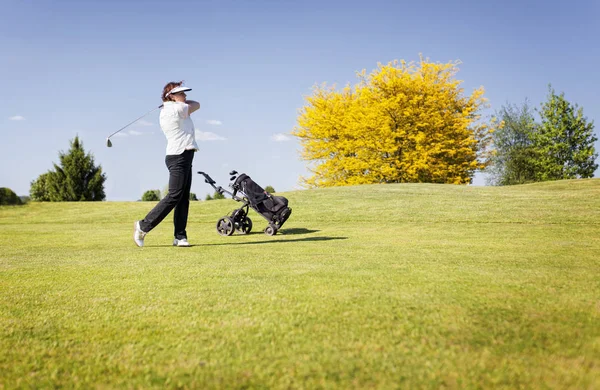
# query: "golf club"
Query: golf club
109,143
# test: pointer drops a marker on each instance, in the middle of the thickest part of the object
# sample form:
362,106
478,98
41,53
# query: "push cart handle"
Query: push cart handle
207,179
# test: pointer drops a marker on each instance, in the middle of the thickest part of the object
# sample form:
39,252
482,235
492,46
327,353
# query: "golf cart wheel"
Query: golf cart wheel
225,226
245,226
270,230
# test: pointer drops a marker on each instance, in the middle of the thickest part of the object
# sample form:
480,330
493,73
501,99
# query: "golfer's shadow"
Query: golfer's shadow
274,241
284,232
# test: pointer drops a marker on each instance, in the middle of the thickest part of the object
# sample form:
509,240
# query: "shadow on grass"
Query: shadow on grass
273,241
289,232
282,232
316,239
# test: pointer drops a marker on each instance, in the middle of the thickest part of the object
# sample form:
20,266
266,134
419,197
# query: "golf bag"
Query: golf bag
272,208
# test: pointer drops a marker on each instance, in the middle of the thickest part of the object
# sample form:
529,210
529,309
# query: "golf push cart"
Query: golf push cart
272,208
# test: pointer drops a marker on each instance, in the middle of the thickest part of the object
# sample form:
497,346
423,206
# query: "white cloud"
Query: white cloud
208,136
121,135
145,123
17,118
214,122
134,132
280,137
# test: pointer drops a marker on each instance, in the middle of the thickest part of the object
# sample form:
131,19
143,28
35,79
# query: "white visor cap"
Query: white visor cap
178,89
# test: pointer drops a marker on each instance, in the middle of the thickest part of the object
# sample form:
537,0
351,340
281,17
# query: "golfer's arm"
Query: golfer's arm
192,106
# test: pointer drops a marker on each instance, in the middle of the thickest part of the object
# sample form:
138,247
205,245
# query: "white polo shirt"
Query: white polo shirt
178,127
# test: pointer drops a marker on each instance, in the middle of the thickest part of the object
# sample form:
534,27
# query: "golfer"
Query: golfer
178,127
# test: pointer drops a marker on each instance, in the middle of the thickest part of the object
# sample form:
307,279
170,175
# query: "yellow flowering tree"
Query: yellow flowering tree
403,123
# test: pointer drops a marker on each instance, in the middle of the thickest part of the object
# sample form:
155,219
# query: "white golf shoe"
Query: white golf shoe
138,234
182,242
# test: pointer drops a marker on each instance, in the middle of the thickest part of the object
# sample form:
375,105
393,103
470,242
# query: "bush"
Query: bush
270,189
151,196
8,197
215,196
218,195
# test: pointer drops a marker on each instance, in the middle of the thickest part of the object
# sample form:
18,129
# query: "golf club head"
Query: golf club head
108,143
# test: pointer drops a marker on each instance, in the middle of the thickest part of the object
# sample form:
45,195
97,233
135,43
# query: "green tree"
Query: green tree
564,141
39,188
270,189
151,196
193,196
8,197
513,158
208,197
76,178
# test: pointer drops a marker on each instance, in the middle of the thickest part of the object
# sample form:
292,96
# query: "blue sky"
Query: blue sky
88,68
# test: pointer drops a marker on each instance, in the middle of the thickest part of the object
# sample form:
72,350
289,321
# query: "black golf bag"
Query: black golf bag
273,208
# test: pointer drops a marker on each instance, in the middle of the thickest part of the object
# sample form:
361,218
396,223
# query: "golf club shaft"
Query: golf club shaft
129,124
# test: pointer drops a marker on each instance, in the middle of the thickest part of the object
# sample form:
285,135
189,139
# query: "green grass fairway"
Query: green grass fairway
384,286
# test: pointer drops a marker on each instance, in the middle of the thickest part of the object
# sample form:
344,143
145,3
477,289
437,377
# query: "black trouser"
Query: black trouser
178,198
